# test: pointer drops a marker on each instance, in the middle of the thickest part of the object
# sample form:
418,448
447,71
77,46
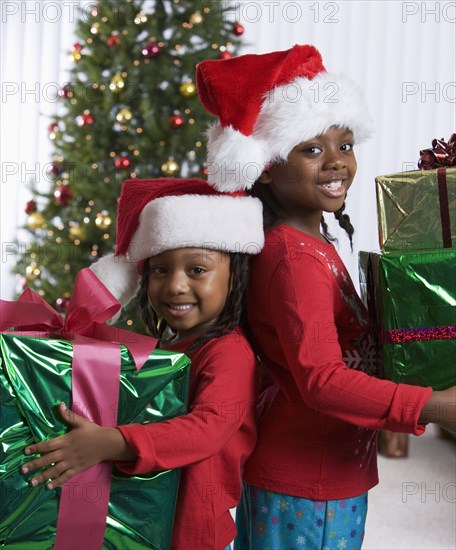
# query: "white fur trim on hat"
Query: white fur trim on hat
226,223
290,114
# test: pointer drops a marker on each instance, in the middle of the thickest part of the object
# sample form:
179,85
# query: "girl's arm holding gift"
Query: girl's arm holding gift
85,445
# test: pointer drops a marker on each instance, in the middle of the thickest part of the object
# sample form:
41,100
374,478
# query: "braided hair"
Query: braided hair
232,315
273,213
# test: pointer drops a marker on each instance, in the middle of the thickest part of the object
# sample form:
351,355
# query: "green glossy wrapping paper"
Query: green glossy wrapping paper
413,290
409,210
35,375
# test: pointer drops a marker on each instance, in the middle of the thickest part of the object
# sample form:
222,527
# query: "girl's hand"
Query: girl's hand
441,409
85,445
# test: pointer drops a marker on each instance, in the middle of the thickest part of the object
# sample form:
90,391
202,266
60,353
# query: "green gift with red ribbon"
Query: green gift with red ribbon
107,375
417,209
412,298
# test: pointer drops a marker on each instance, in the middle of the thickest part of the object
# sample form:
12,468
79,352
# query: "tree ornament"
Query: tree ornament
36,220
122,162
75,55
117,83
124,115
76,232
140,18
61,304
30,207
65,92
170,167
196,18
77,46
32,271
55,169
95,28
176,120
151,50
225,55
54,127
86,119
187,89
113,40
54,130
63,195
103,221
238,29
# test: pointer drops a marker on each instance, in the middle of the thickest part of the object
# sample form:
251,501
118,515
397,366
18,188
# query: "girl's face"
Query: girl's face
317,174
188,287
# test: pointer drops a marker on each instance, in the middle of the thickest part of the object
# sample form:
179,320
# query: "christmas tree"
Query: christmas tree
130,109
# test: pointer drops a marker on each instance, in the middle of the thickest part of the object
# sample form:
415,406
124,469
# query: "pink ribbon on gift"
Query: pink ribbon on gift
84,500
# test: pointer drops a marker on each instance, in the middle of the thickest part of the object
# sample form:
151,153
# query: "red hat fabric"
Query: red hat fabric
155,215
234,89
266,105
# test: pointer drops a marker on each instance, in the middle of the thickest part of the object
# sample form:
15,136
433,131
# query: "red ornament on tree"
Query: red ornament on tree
65,92
55,169
30,207
85,119
238,29
225,55
113,40
77,46
63,195
122,162
151,49
176,120
53,127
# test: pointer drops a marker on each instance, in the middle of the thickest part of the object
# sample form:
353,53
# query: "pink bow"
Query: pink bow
96,362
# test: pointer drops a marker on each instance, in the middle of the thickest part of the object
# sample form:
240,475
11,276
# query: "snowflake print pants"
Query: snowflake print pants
272,521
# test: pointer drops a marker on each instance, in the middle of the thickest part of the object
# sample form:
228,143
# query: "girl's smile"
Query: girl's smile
188,287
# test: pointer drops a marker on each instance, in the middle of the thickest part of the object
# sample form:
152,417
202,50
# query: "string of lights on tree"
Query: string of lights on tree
128,110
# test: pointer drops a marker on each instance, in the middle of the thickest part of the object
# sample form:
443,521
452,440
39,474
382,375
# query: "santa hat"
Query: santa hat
155,215
266,105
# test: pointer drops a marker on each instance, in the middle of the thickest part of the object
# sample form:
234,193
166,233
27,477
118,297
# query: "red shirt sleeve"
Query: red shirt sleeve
226,391
304,292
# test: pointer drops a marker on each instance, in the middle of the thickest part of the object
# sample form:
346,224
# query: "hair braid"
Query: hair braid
345,223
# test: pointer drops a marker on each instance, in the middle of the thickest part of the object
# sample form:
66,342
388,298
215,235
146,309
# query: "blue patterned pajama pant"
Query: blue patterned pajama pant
272,521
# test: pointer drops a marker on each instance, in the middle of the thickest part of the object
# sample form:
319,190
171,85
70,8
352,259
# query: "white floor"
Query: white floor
414,506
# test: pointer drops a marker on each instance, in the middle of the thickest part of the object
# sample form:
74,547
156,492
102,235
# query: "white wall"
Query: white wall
401,53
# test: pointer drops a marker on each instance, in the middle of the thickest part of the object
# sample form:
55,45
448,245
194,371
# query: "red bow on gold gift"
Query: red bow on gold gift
441,155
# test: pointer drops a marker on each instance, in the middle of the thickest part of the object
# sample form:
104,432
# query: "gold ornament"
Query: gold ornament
196,18
75,55
117,83
76,232
103,221
124,115
36,220
32,271
188,89
170,167
95,28
140,18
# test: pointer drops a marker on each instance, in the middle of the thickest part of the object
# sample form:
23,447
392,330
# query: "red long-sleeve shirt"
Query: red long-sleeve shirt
316,432
211,442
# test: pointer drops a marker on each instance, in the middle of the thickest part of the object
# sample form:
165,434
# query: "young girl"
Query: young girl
191,245
287,130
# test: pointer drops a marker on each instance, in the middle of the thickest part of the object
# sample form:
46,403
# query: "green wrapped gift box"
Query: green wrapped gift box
412,299
35,375
417,210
